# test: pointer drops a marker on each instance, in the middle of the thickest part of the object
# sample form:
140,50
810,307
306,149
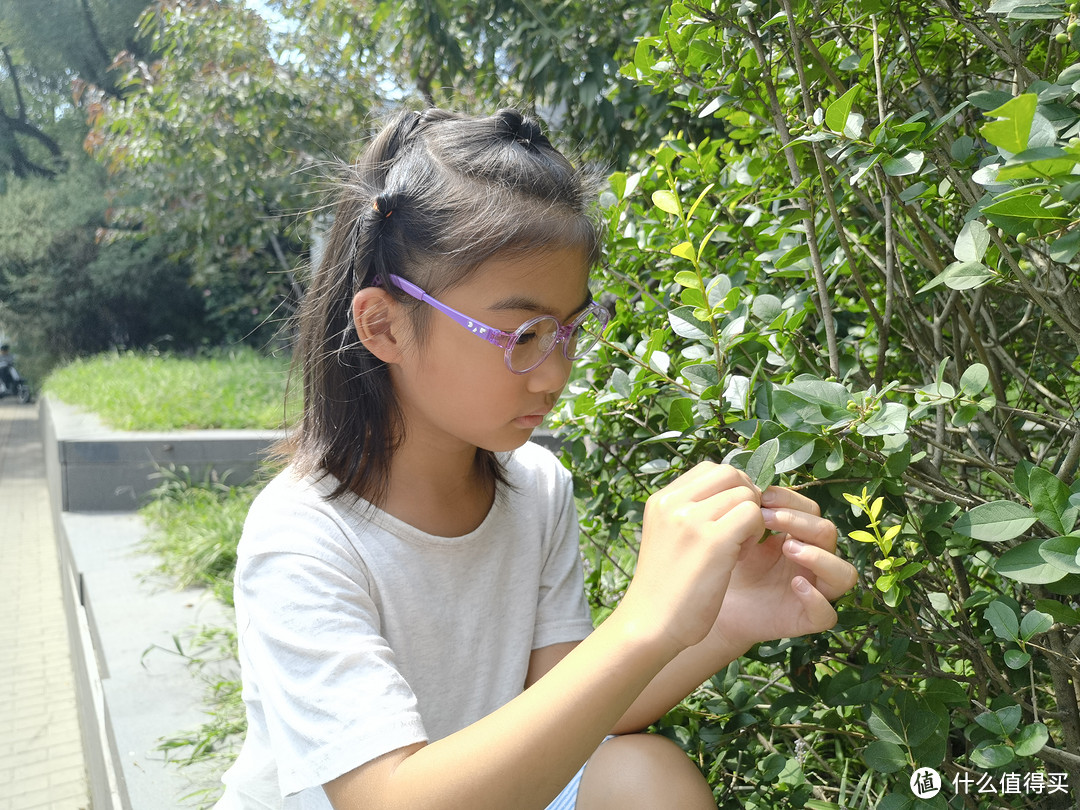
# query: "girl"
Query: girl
411,615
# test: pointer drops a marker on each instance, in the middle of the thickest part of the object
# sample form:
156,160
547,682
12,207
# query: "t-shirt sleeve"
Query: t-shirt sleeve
329,689
562,611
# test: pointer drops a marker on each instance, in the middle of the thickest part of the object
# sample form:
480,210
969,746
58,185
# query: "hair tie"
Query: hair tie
383,205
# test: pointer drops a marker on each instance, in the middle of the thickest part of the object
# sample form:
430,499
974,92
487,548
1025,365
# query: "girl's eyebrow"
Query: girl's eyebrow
521,303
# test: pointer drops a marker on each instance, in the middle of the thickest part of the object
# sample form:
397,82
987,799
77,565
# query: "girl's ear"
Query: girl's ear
377,318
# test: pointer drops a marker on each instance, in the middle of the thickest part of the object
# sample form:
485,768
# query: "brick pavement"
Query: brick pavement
41,758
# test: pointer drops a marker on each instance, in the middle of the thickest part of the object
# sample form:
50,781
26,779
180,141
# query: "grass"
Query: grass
194,527
231,389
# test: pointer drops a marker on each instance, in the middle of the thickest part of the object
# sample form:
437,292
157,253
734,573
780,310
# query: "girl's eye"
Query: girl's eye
525,338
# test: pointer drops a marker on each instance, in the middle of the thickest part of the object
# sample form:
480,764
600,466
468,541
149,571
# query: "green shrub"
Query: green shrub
863,286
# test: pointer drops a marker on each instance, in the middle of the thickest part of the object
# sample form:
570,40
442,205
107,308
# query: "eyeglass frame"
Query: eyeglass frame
508,340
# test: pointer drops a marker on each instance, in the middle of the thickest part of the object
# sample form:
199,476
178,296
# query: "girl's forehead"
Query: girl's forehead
552,278
550,282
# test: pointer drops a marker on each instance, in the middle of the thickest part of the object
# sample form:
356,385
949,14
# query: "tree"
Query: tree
225,137
43,48
69,293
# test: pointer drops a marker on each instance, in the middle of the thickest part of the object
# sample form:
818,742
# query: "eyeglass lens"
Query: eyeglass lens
536,343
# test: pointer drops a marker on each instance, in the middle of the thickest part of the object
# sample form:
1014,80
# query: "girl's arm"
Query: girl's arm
524,753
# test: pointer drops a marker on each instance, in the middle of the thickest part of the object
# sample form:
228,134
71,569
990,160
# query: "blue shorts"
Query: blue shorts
567,799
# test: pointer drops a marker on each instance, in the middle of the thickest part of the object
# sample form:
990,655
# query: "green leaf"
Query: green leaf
888,420
885,726
686,278
681,414
974,379
898,801
1025,563
885,757
987,100
1031,740
995,522
684,324
1064,249
909,163
989,757
972,242
1062,552
620,383
1002,722
836,114
795,450
1012,131
1034,623
701,376
1003,620
1049,498
767,307
961,276
1023,212
1045,161
762,464
1017,659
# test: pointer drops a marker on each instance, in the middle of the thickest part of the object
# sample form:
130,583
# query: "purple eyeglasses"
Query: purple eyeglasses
530,344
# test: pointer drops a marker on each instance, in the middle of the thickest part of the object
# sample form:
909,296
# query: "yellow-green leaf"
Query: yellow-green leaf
860,536
1012,131
685,250
667,202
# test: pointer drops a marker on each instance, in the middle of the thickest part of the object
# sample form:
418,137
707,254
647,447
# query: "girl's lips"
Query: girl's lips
531,421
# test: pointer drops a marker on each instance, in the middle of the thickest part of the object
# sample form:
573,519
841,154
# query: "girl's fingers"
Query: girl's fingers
783,498
819,613
706,479
806,526
832,575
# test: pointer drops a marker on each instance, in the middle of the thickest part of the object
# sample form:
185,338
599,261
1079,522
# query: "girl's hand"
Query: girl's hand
693,534
783,586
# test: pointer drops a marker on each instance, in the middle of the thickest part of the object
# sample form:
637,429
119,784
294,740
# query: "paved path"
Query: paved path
41,759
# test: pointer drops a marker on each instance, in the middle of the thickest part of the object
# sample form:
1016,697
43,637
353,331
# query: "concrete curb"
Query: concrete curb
93,468
133,689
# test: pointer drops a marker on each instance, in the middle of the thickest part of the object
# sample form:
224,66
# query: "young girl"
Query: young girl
411,615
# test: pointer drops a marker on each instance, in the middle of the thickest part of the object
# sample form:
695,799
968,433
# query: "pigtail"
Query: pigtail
520,129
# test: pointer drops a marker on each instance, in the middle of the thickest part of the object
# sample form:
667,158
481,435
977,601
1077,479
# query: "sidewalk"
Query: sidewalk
41,759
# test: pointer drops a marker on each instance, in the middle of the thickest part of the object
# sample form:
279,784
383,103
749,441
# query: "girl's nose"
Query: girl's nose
552,374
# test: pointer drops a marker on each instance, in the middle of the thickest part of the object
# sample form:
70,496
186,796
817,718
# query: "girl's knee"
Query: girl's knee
642,771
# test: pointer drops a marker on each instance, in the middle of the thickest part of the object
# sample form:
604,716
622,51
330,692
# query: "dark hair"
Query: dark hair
435,195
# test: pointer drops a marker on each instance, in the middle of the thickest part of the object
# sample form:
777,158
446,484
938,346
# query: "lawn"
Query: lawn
235,388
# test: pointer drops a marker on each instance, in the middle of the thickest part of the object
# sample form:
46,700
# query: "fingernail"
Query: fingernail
801,585
794,546
768,514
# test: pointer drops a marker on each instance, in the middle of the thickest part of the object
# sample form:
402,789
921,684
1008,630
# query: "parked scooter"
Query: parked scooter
22,389
12,384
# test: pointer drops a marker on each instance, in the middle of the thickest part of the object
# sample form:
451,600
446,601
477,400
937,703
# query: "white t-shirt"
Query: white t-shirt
360,634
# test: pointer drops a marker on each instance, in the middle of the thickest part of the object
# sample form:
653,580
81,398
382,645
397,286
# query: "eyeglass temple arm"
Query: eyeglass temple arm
494,336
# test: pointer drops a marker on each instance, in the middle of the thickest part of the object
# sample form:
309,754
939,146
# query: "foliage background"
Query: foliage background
865,289
843,256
